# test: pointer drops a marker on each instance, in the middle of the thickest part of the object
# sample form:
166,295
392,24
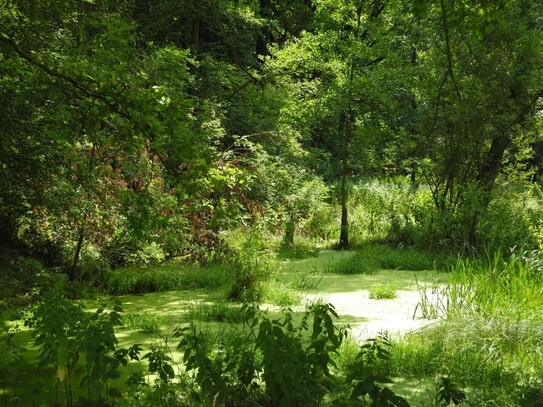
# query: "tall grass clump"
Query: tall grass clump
399,257
167,276
369,258
491,331
356,263
386,291
496,285
214,312
148,322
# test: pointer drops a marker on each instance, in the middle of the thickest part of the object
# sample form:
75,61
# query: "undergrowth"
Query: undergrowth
144,321
370,258
165,277
214,312
386,291
490,333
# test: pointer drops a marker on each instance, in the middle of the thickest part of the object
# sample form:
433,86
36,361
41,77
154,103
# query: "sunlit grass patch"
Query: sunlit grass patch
278,293
386,291
358,263
402,258
489,339
149,322
214,312
168,276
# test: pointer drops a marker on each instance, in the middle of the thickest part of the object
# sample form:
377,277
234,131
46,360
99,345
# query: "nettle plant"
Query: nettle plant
275,361
81,347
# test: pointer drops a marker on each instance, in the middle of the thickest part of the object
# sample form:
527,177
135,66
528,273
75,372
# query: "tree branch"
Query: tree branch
530,105
56,74
448,47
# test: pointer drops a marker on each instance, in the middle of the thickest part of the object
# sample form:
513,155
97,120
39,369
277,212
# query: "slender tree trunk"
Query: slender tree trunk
263,38
195,38
345,127
290,229
84,217
346,123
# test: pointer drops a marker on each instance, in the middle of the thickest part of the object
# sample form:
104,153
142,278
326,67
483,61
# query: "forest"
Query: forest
271,203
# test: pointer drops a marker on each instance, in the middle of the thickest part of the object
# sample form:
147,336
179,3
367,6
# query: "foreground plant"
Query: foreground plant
282,363
67,336
490,333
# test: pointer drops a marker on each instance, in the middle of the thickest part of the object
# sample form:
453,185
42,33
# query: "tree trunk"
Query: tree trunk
264,35
486,178
195,38
83,225
345,128
290,228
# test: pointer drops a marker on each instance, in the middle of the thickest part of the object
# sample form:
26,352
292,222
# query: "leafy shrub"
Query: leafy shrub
65,335
226,371
280,294
151,253
383,292
369,370
388,208
509,219
249,268
294,370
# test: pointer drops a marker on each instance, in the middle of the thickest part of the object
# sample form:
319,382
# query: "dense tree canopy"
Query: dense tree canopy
132,124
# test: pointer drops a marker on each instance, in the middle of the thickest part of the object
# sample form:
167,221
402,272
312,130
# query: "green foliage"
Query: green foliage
67,336
511,218
396,211
489,334
169,276
294,361
223,371
448,393
383,291
367,373
11,363
217,312
144,321
294,375
356,263
250,267
160,364
98,346
388,208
